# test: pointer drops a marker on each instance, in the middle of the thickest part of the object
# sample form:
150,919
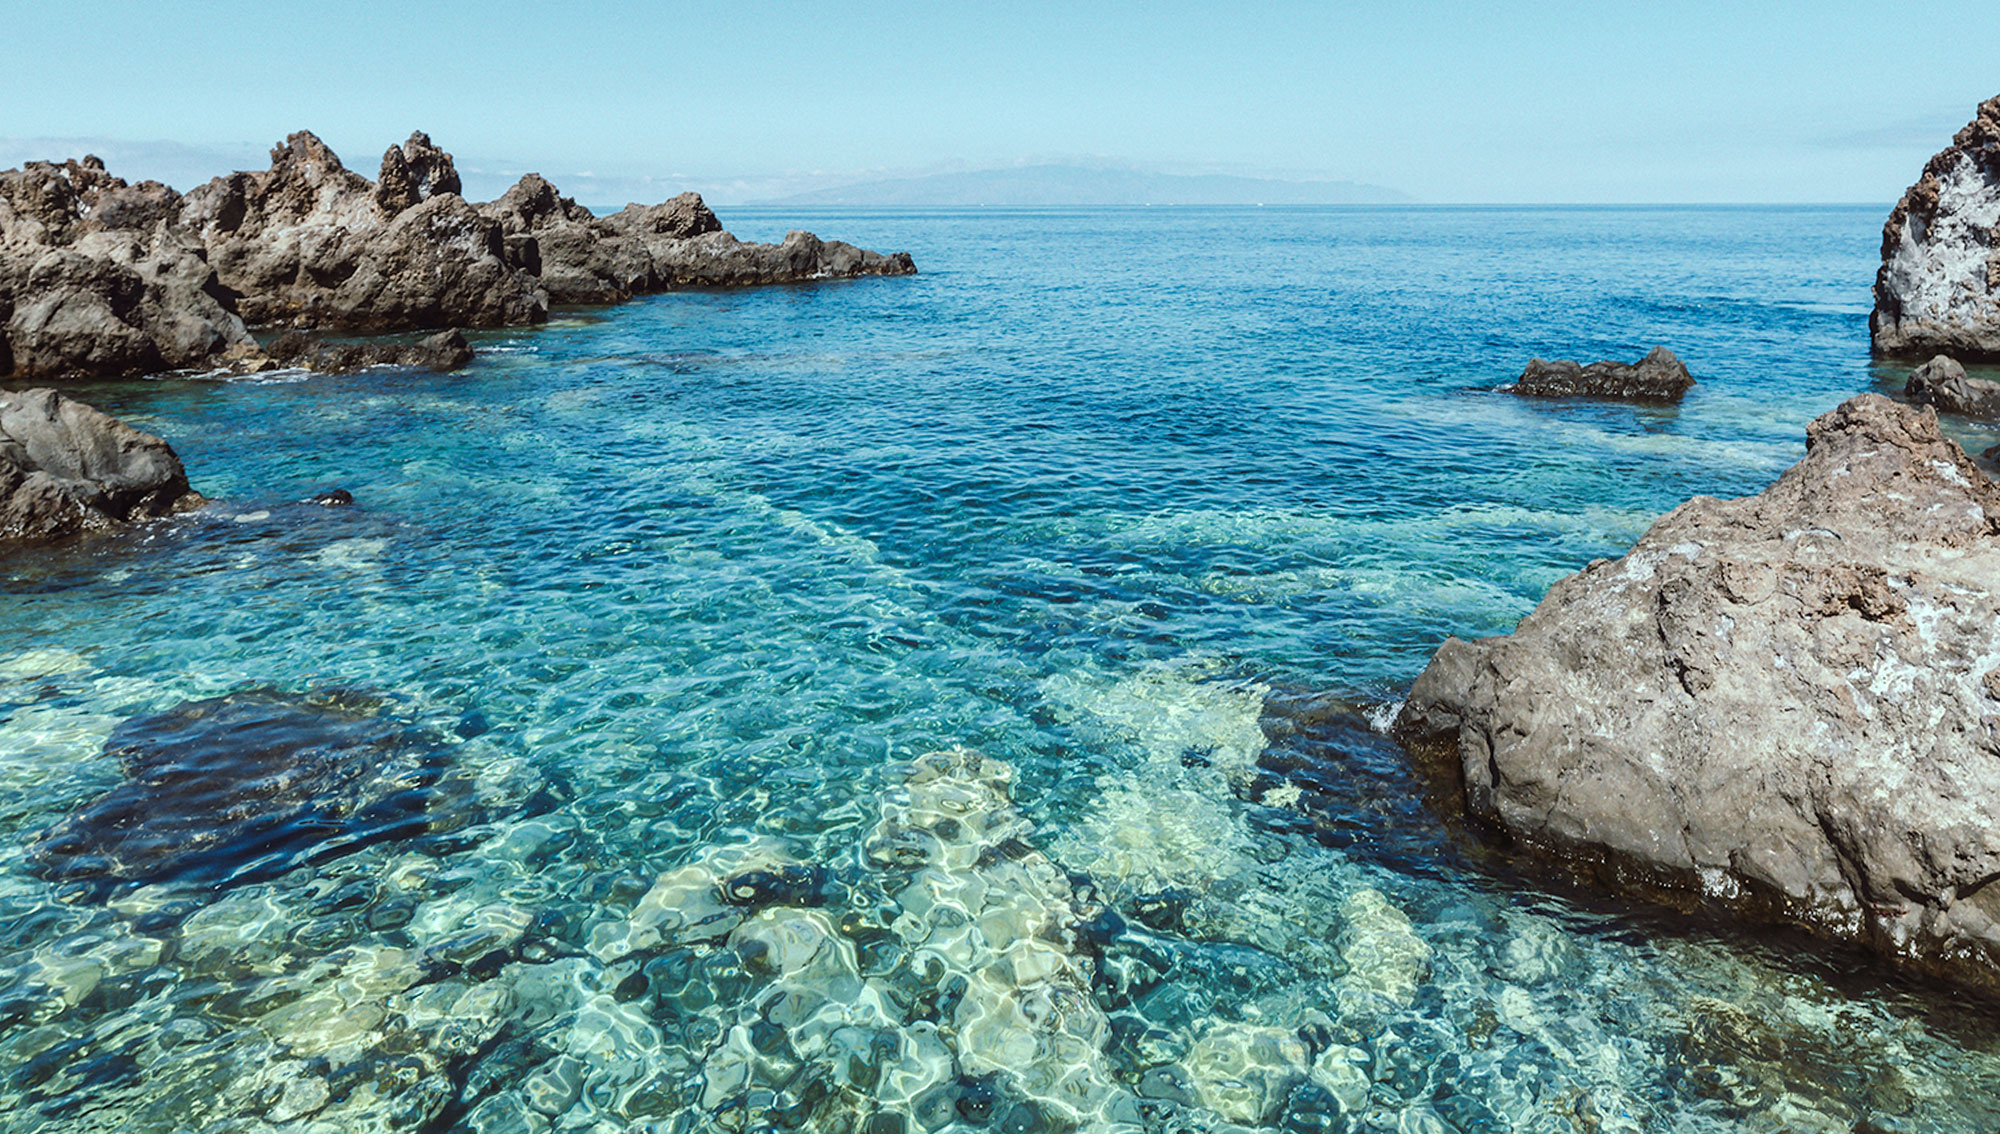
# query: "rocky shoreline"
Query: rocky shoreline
102,278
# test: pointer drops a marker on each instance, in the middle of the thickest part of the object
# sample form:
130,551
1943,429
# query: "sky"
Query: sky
1493,102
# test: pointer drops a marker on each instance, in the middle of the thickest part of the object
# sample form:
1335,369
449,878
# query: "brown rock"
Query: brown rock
1779,705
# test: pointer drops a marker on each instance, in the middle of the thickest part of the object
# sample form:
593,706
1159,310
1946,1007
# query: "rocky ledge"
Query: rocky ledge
99,277
1785,706
66,468
1939,285
1658,377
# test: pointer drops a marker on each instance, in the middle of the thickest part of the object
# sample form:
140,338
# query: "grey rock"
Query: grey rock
1942,382
1658,377
66,468
1786,706
94,282
1938,289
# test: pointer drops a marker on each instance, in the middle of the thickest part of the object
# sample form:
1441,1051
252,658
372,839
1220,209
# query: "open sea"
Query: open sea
949,702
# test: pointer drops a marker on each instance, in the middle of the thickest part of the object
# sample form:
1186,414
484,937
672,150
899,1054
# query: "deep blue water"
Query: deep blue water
1102,496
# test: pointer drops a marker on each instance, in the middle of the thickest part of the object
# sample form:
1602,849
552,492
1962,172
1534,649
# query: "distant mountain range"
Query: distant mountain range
1031,185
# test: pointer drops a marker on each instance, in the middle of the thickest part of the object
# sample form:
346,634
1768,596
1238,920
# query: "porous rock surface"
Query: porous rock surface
1939,285
1942,382
67,468
1658,377
98,277
1786,704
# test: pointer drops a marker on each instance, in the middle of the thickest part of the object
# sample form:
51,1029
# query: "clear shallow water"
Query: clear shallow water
1107,507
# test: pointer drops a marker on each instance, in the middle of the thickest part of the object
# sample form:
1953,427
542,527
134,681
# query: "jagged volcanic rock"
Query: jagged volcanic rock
66,468
93,280
98,277
1788,704
1658,377
1938,289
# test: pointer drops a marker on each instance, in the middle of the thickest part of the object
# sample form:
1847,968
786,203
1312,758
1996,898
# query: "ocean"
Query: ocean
937,702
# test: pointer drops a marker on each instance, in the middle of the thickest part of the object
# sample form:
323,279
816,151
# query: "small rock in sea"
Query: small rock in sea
332,498
245,787
1658,377
1941,382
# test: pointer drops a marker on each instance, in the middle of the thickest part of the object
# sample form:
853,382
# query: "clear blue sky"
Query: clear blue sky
1829,101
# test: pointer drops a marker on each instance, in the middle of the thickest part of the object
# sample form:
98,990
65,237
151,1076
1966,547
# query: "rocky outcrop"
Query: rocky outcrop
1939,285
309,243
446,350
580,258
1658,377
1942,382
98,277
93,280
66,468
1786,706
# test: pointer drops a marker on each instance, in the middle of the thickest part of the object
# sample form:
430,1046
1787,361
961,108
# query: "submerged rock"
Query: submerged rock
245,787
446,350
1786,705
1941,382
1939,285
66,468
1658,377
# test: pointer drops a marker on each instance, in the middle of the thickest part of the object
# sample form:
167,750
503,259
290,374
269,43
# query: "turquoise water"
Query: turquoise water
1009,635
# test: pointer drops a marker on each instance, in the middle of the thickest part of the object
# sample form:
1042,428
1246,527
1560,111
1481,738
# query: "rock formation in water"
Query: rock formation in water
1942,382
1787,705
66,468
245,787
1658,377
1939,285
98,277
446,350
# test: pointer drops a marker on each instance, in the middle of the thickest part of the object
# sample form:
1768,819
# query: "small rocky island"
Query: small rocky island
99,277
1786,706
1658,377
1938,290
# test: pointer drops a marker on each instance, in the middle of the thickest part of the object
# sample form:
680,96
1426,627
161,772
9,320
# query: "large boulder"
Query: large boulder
1786,706
1939,285
66,468
1658,377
